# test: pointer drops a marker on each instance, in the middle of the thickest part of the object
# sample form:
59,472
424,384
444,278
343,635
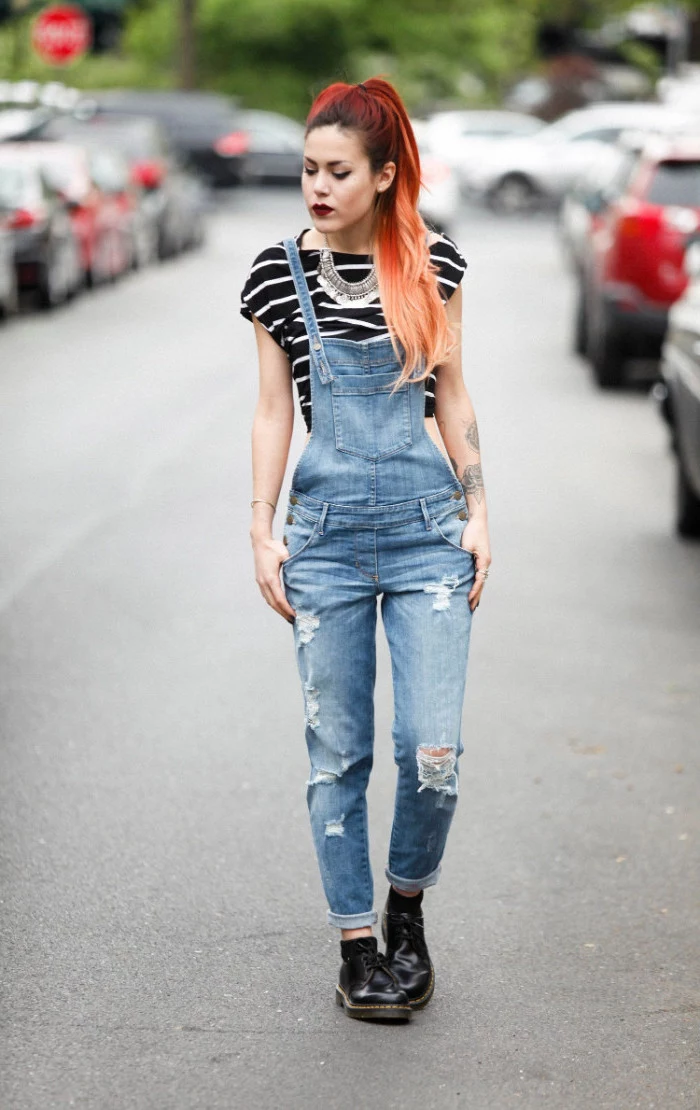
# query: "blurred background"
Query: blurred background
163,929
584,112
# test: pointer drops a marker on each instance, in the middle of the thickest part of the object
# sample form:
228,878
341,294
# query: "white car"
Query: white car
440,196
516,174
460,136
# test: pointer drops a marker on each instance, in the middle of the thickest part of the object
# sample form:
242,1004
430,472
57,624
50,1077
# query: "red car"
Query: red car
100,215
634,265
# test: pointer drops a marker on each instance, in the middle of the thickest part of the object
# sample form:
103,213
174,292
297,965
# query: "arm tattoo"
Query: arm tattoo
455,465
472,436
473,482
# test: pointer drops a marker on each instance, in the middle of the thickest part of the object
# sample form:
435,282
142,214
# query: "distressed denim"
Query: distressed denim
375,511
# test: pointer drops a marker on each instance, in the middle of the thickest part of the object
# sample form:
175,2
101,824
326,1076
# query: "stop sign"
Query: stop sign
61,33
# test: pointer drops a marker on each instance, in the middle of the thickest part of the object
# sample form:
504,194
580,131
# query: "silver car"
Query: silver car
516,175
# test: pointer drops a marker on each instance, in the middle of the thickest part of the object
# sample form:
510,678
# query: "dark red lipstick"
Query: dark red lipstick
322,209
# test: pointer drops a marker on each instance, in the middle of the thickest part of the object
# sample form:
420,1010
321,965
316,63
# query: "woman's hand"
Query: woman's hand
269,554
475,538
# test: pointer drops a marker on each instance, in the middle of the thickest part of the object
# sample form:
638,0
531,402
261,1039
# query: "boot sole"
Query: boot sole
372,1013
416,1003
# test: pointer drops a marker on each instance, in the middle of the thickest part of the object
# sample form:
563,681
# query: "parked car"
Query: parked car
8,272
173,200
275,152
460,137
587,197
439,198
112,175
45,250
17,121
585,200
635,271
206,128
680,369
516,175
100,219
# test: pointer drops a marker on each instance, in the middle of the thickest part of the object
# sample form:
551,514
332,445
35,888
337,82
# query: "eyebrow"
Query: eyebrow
338,162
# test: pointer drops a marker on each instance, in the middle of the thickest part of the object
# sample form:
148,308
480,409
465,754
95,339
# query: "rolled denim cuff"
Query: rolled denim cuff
352,920
411,885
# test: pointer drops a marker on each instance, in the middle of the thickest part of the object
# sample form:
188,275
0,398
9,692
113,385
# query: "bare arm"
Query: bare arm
271,436
456,420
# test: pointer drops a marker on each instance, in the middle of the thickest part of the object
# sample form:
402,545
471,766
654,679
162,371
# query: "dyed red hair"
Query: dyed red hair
413,308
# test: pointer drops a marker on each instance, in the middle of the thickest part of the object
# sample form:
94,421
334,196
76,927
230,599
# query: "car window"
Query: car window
65,173
622,175
675,183
14,187
108,171
597,135
491,131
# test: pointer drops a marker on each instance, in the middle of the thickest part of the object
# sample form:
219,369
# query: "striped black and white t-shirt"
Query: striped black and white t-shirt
269,295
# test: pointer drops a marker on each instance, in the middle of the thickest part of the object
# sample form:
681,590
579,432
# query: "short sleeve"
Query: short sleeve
260,295
451,265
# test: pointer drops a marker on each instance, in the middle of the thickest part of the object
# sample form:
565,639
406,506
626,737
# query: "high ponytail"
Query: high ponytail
413,308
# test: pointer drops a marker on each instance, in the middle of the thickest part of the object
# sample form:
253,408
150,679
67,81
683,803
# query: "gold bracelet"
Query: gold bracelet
265,500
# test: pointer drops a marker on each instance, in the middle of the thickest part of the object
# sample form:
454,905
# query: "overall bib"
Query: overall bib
375,509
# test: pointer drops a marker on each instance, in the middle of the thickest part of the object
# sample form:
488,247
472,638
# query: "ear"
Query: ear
386,176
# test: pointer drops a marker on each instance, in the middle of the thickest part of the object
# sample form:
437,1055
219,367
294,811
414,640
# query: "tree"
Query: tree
187,44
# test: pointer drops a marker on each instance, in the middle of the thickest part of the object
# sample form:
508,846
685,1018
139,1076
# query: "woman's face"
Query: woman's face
338,184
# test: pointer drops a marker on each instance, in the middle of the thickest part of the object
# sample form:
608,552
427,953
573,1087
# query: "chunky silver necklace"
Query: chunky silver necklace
357,293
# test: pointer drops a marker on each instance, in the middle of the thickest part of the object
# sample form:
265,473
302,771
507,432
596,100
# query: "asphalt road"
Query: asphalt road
164,936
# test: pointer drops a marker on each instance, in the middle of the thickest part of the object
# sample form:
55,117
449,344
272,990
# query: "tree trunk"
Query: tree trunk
186,73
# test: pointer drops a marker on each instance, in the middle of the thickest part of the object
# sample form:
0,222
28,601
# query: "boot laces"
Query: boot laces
409,927
372,958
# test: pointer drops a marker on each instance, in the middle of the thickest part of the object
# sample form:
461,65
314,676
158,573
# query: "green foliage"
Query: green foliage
643,58
277,53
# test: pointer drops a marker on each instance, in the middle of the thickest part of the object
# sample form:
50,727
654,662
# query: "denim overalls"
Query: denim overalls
375,509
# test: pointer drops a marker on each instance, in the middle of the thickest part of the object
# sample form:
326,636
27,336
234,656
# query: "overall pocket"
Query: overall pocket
450,528
299,532
369,420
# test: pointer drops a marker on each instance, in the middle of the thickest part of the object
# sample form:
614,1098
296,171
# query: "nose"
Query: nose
320,185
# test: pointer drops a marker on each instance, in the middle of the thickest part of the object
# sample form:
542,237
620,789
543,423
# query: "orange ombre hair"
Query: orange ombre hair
413,308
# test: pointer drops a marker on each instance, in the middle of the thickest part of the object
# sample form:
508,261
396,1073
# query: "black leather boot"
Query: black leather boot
366,987
407,955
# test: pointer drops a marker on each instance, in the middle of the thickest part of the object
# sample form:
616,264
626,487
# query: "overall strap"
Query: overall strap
316,352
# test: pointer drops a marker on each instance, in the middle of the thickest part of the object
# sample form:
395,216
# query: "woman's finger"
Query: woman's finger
482,561
268,594
275,598
280,602
475,593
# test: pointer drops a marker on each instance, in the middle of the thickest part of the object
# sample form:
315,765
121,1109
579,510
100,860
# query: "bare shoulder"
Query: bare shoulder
434,238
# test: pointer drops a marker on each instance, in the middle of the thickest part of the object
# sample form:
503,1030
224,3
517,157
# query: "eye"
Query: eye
340,176
307,170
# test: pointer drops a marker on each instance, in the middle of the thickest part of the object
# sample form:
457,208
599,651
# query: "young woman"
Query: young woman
363,312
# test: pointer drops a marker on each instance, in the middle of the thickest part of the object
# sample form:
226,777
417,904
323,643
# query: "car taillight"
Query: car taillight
148,174
237,142
23,218
638,220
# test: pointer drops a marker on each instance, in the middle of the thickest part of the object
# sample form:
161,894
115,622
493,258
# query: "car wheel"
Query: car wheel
513,194
99,271
687,504
606,350
581,320
197,236
77,276
10,306
54,284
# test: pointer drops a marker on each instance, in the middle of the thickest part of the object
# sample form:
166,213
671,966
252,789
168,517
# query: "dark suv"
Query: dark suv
205,128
